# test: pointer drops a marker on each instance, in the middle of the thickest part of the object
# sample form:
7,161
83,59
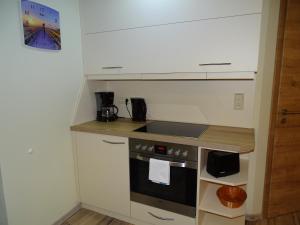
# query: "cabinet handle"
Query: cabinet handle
215,64
114,142
112,67
285,112
160,218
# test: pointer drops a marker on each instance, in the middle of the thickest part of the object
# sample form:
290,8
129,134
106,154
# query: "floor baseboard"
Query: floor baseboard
68,215
254,217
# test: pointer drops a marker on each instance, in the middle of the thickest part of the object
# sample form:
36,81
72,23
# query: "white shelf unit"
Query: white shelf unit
212,219
211,210
209,202
234,180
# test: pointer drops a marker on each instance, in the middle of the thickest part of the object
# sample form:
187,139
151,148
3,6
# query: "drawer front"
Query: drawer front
153,215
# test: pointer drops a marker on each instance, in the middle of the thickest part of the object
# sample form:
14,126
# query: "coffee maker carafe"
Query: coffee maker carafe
106,110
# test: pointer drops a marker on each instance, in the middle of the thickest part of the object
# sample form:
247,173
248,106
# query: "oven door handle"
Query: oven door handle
160,218
173,164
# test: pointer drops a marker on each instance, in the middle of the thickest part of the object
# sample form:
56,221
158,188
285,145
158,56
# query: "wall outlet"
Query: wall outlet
238,101
121,100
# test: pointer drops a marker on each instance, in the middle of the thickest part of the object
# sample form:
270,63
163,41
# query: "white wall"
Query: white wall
189,101
85,109
37,94
263,100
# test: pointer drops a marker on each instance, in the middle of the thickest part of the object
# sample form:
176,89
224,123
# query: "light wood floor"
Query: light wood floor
290,219
87,217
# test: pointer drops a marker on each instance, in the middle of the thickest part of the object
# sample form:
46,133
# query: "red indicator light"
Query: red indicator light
159,149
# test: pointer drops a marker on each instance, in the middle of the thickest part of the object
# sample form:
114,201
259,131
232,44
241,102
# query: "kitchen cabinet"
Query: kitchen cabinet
224,45
157,216
211,211
103,171
102,16
102,160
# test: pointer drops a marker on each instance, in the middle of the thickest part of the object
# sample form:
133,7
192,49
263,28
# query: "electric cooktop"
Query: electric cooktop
174,129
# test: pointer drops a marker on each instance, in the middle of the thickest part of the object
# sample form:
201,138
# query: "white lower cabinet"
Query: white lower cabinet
157,216
104,183
103,172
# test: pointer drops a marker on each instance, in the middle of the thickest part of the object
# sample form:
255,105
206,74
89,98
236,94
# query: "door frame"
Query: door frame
3,211
274,103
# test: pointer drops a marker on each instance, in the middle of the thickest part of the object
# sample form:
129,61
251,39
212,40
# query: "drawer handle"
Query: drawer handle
160,218
215,64
112,67
114,142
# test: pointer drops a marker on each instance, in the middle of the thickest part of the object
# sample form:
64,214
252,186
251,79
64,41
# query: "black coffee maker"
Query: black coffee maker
139,109
106,110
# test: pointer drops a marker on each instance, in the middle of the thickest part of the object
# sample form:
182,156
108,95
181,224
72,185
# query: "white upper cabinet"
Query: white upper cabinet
110,15
216,45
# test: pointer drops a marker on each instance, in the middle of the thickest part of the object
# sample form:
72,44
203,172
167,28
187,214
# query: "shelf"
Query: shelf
211,219
210,203
238,179
113,76
149,76
173,76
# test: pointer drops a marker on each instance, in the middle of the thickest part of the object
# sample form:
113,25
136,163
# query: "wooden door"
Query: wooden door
282,191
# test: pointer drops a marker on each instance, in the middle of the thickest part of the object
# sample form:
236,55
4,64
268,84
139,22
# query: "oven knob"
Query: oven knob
185,154
150,149
170,151
177,153
137,147
144,147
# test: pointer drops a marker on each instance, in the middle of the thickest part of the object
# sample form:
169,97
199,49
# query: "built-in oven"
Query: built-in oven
180,195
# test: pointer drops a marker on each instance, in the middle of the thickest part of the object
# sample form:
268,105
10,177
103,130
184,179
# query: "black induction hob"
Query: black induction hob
174,129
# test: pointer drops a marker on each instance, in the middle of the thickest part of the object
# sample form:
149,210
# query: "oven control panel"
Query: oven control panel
170,150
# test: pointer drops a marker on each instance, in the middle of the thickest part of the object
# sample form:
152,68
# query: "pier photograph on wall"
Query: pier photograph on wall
41,26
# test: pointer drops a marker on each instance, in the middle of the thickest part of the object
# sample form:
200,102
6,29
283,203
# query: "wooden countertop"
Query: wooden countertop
230,139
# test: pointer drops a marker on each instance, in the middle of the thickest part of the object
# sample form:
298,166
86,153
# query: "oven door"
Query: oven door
178,197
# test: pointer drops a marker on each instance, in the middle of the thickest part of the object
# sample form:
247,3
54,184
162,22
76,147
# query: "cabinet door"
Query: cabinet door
103,172
108,15
219,45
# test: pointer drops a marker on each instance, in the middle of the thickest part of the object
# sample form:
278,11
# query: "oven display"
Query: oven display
160,149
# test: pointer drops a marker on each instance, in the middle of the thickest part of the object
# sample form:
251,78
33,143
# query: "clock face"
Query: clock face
41,26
